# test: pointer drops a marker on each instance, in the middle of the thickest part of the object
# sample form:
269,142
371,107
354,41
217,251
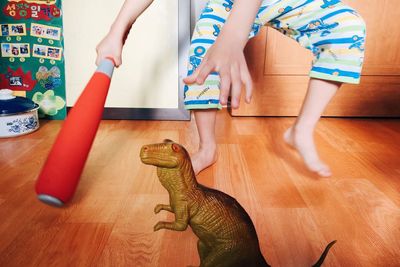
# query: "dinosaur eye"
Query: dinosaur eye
175,147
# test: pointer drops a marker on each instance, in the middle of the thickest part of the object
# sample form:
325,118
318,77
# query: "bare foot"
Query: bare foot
303,142
205,157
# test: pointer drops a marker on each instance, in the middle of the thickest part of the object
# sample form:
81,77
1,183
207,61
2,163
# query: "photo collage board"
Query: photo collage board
32,53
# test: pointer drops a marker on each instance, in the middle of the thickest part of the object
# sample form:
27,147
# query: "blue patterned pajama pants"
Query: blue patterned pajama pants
333,31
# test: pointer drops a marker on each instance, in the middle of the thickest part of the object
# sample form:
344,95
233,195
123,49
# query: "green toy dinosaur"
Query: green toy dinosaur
227,237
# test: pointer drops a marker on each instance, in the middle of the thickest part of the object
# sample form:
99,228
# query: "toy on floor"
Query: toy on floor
227,236
60,175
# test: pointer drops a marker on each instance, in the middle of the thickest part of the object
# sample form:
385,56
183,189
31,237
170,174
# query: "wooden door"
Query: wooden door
280,69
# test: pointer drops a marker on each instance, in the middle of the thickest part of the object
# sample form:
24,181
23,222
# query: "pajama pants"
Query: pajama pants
334,32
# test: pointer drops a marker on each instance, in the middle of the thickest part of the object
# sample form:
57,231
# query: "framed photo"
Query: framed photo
5,31
48,52
16,81
39,50
45,31
15,50
6,50
24,49
13,29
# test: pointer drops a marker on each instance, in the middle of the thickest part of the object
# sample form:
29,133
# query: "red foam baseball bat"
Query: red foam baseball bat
61,172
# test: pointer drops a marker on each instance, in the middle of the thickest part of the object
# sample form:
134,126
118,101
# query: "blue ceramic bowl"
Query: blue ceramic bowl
18,115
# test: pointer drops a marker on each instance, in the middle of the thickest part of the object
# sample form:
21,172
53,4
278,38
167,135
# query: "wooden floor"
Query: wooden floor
110,220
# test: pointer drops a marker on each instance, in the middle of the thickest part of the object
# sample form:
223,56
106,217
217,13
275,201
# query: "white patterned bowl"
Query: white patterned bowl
18,115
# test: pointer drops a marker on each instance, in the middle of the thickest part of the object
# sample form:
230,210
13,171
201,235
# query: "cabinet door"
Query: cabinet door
382,55
280,70
284,56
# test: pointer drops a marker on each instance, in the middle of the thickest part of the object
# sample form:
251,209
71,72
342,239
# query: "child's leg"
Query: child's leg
300,135
335,33
207,153
204,99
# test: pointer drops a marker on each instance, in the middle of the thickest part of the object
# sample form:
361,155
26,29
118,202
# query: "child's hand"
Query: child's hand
228,60
110,46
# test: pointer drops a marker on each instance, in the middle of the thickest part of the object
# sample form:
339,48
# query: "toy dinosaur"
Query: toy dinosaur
227,236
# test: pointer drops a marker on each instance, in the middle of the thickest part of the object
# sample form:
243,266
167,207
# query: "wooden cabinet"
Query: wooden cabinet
280,68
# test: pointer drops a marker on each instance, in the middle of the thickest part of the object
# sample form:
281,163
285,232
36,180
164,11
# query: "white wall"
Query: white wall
148,77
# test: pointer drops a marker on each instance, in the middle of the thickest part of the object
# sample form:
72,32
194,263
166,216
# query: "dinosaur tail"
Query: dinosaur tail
324,254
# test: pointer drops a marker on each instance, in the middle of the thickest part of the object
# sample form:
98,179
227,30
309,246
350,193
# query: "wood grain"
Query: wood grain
280,67
110,220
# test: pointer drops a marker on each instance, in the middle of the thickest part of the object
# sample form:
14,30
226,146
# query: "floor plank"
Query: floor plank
110,220
75,245
132,241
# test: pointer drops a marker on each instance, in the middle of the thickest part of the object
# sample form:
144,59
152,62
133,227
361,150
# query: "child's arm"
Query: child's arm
226,55
113,42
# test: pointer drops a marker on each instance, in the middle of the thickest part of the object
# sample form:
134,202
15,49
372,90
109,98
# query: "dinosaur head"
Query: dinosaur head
164,155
